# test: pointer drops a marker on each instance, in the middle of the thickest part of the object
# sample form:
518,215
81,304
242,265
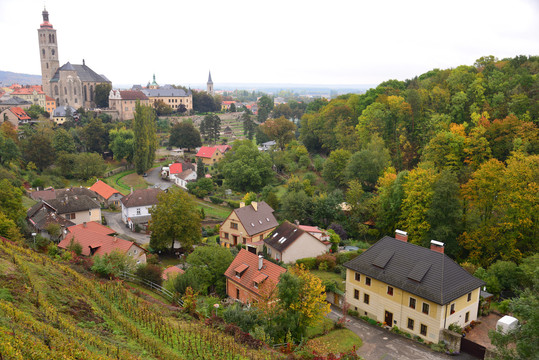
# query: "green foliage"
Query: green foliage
121,143
368,164
308,263
210,127
334,167
145,138
102,92
5,295
150,272
455,327
249,125
281,130
112,264
265,105
201,188
212,261
185,135
74,247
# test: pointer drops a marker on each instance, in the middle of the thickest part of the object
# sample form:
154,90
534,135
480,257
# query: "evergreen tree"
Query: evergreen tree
145,144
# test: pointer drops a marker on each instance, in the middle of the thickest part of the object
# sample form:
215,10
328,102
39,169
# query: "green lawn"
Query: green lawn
320,328
337,341
330,276
214,211
28,202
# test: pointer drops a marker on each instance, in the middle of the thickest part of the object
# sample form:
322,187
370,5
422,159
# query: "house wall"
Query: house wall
174,101
115,200
138,254
240,233
85,216
132,212
245,295
7,115
304,246
462,306
126,108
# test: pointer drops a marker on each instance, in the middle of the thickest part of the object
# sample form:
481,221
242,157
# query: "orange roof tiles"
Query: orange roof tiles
92,226
172,271
175,168
19,113
48,98
223,148
206,151
103,189
26,91
270,271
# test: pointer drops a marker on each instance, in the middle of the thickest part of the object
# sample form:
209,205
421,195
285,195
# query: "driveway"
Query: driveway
114,221
154,178
380,344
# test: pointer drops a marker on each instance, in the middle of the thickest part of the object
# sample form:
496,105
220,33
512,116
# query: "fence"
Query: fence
152,286
118,170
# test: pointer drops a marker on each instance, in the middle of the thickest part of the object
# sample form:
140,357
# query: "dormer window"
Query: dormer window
240,270
259,279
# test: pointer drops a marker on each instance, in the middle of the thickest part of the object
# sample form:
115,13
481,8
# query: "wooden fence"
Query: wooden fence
152,286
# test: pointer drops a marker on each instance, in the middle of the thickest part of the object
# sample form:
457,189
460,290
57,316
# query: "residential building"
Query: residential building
7,102
223,148
420,290
250,276
136,206
41,216
288,243
124,101
50,105
62,113
76,208
15,115
107,195
72,85
171,97
315,231
248,225
96,239
210,155
267,145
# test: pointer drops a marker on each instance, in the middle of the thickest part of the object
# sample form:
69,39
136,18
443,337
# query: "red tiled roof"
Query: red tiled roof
92,226
175,168
104,189
223,148
20,113
270,271
26,91
133,95
206,151
311,229
172,270
48,98
102,244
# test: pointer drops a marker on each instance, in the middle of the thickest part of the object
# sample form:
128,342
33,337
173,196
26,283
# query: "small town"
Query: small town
215,221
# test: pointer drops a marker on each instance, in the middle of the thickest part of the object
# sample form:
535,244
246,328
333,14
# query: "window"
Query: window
411,324
469,296
225,235
412,303
43,52
237,293
358,276
423,330
65,90
390,290
71,216
366,298
467,317
426,308
138,211
368,281
452,309
356,294
135,251
90,212
234,225
255,284
262,237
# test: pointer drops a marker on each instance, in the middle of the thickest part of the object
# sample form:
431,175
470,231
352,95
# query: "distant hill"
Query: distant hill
8,78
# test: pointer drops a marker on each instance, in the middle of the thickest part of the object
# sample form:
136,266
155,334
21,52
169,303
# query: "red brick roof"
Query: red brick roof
104,189
175,168
248,263
223,148
311,229
133,95
20,113
172,271
206,151
48,98
100,243
26,91
92,226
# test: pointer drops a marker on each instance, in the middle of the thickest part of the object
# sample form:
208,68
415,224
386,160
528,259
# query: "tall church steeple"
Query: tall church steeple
209,85
48,53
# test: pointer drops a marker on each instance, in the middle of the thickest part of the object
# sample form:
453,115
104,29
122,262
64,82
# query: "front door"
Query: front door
388,319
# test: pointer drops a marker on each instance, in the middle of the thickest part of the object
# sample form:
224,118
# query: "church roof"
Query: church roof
209,78
84,73
164,92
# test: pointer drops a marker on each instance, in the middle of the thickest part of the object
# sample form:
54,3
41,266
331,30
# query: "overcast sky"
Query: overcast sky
276,42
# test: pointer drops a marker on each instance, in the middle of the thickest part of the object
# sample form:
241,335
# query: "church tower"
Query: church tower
48,52
209,85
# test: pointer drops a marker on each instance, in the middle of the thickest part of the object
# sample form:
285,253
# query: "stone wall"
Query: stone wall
451,339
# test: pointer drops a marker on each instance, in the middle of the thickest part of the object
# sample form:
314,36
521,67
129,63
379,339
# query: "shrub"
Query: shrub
216,199
5,295
353,313
346,256
150,272
503,306
233,204
328,261
246,320
113,264
53,250
309,263
455,327
74,247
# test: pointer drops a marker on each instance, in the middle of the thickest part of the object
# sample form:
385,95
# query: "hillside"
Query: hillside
65,315
8,78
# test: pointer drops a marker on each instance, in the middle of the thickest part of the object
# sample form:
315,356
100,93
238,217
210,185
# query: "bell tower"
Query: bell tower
209,85
48,53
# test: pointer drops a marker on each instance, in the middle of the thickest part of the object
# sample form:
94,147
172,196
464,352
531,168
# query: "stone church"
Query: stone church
72,85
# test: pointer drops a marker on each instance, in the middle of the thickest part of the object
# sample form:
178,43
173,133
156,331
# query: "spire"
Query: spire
45,14
209,77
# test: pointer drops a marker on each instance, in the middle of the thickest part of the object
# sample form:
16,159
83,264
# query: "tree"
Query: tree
204,102
39,150
245,168
8,228
248,125
214,260
122,144
113,263
87,165
63,141
35,111
201,169
265,105
334,167
102,92
162,109
9,150
184,135
281,130
368,164
95,136
174,218
145,140
210,127
232,108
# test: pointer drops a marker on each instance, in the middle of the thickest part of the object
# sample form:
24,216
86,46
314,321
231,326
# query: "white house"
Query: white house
136,206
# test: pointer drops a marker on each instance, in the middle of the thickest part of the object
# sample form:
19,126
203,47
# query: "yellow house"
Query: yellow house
420,290
170,96
210,155
248,225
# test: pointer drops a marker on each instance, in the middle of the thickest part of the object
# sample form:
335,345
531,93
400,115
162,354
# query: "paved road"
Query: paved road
114,221
380,344
154,178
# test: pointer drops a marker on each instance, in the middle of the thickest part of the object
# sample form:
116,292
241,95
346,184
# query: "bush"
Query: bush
216,200
346,256
326,261
74,247
455,327
309,263
353,313
113,264
53,250
150,272
233,204
5,295
504,306
246,320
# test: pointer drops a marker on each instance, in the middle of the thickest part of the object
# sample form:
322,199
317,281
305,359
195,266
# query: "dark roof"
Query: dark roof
209,77
83,72
74,203
61,111
256,221
141,197
164,92
133,95
415,269
284,235
14,100
60,193
45,216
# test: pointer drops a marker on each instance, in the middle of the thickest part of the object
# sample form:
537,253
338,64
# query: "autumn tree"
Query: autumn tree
334,167
174,218
145,138
281,130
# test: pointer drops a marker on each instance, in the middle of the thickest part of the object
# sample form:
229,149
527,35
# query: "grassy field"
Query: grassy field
337,341
319,329
213,211
330,276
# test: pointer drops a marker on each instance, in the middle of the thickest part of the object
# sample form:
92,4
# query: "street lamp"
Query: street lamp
34,236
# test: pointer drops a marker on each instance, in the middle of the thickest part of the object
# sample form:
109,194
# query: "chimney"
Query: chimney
254,204
260,262
84,224
437,246
242,204
401,235
131,189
